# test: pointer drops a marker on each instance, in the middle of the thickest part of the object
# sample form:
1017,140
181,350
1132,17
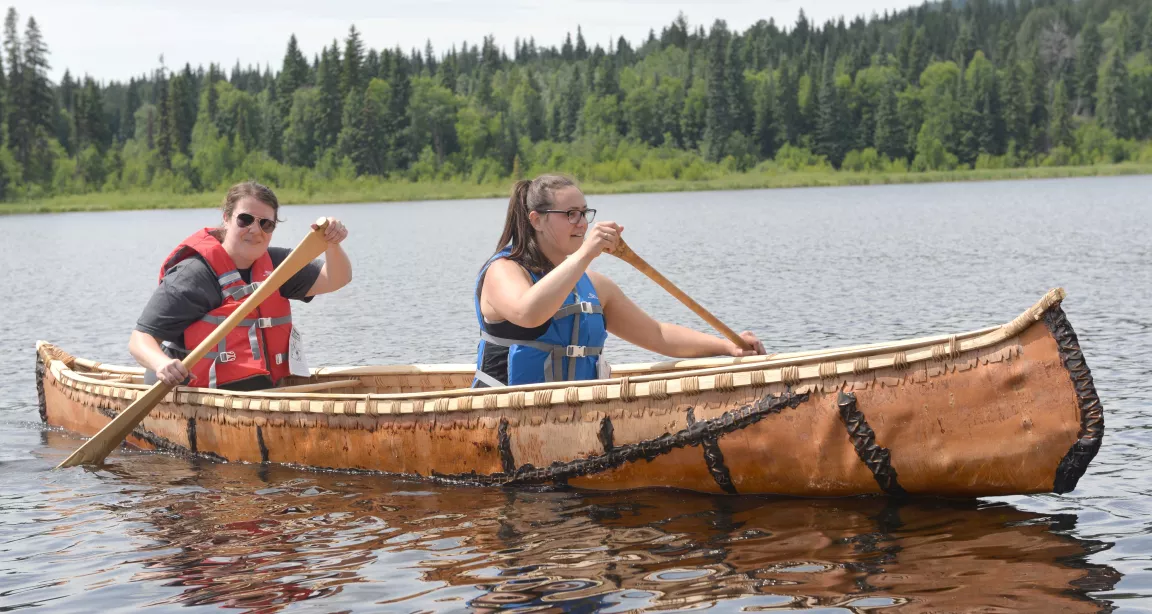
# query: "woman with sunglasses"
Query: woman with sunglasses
208,276
543,316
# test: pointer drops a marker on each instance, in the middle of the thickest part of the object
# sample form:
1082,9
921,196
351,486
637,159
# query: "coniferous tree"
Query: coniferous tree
718,121
330,101
832,135
352,71
890,138
1088,53
272,132
294,74
1060,131
41,104
1114,95
581,46
765,129
163,135
788,105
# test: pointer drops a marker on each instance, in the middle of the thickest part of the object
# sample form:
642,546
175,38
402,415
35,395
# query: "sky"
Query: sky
117,39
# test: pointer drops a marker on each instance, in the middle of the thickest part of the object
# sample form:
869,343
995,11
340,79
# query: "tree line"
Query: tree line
978,84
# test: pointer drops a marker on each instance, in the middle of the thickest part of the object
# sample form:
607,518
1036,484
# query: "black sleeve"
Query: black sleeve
297,286
188,291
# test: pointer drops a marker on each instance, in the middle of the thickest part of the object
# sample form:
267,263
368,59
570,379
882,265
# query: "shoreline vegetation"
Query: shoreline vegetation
375,190
943,91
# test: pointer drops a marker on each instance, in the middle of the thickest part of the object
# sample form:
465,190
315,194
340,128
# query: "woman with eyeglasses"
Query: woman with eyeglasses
208,276
543,316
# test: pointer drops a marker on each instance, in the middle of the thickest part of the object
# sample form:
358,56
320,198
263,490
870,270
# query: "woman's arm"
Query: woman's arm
337,269
626,320
146,350
509,294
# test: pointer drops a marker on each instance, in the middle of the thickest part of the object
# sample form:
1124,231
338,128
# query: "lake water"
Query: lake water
804,269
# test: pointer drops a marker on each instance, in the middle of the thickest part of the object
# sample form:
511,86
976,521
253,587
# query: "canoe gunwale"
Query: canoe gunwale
1091,435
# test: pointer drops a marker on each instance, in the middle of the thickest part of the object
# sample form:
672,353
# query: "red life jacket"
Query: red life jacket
261,337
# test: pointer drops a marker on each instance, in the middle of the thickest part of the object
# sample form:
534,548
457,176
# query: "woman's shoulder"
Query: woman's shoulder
506,266
603,284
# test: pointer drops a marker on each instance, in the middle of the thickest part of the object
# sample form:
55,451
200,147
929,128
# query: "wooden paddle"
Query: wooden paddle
96,449
626,254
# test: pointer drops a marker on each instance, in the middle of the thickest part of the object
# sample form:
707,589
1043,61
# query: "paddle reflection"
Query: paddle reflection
263,538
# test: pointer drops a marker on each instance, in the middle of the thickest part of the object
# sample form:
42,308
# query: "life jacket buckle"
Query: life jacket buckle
586,307
574,351
226,357
263,322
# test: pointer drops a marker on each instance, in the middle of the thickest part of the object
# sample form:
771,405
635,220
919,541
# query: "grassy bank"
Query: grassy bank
375,190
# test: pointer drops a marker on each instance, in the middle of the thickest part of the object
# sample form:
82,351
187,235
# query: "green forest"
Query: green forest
946,87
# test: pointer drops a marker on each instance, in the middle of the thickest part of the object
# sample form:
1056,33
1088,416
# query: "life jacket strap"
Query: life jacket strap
553,371
240,292
490,381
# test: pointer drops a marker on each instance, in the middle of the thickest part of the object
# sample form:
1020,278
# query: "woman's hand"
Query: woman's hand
171,371
601,237
336,231
749,338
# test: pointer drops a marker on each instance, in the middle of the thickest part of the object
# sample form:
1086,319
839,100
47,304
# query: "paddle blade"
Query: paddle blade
96,449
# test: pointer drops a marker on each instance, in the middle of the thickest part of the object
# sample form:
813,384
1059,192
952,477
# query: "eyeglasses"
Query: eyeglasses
574,215
245,220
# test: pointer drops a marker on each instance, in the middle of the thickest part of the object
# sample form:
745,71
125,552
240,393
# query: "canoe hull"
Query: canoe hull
1016,416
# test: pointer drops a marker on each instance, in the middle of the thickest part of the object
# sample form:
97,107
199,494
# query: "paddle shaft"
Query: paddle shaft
626,254
96,449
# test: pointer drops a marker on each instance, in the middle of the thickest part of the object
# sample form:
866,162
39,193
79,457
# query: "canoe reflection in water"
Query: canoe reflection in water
263,538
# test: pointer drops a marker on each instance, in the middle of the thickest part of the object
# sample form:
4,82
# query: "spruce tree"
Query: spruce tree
765,130
1088,53
294,74
352,71
1114,96
328,83
832,135
163,121
890,138
272,132
16,104
1060,130
718,122
788,105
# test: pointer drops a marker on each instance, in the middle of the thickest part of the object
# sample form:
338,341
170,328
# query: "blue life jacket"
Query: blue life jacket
568,350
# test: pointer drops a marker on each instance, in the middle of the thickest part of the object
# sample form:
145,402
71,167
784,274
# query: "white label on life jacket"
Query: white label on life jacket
297,365
603,369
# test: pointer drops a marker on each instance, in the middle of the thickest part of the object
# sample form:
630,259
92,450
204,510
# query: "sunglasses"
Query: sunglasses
574,215
245,220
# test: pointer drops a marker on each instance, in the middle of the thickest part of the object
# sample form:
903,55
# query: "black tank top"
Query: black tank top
495,360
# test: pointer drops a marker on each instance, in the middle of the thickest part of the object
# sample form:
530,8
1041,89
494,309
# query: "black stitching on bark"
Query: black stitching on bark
40,388
192,435
263,446
606,434
877,458
160,443
507,461
715,460
694,435
1076,460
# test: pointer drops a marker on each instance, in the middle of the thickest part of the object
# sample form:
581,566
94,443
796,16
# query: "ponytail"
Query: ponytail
528,196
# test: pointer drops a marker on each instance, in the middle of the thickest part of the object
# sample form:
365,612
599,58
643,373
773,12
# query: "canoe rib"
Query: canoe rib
1091,435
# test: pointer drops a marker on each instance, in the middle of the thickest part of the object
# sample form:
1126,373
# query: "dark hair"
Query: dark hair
528,196
258,191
